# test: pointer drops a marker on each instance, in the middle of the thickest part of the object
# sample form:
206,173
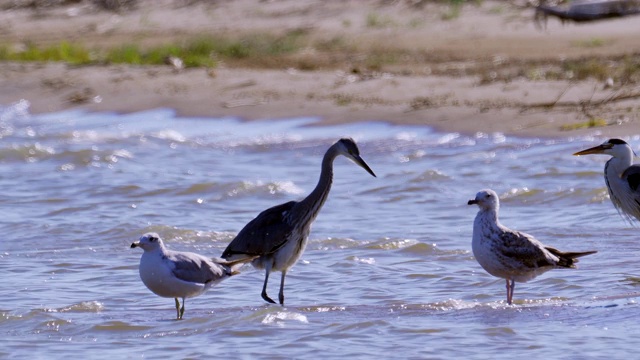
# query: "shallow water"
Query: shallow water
388,269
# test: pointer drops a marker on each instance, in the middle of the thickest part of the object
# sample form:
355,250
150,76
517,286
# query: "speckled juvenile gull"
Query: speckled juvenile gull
510,254
176,274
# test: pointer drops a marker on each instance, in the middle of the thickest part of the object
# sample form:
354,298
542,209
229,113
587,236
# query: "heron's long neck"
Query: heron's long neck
312,204
618,164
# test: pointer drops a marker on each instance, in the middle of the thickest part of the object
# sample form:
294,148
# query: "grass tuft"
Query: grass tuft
591,123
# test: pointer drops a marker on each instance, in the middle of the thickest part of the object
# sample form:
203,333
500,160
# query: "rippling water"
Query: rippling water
388,270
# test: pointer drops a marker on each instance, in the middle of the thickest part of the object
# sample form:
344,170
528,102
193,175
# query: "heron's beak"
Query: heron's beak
472,202
358,160
135,244
594,150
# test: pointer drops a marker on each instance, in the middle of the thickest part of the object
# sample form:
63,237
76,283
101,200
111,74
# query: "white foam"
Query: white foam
281,318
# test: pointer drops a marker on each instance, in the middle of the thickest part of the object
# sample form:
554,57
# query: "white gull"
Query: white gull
176,274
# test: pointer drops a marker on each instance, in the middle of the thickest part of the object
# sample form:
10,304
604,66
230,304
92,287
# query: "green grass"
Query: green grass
64,51
591,123
197,52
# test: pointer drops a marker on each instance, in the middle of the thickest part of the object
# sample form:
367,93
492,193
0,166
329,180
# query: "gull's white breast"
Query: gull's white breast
156,273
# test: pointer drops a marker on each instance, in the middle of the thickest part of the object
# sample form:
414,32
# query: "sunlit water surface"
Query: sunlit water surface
388,271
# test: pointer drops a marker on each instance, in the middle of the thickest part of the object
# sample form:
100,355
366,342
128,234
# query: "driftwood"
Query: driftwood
585,105
587,10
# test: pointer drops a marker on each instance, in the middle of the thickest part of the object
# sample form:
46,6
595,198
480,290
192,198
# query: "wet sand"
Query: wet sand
437,92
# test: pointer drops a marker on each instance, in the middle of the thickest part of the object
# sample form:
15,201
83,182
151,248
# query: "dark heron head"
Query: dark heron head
348,148
613,147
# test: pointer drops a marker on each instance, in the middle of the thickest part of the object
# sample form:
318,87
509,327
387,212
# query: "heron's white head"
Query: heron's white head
486,199
148,242
614,147
348,148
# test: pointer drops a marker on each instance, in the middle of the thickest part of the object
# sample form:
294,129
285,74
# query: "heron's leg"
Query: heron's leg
264,287
177,309
281,293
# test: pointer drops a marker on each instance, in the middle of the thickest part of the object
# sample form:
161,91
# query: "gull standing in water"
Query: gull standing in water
510,254
278,235
621,176
176,274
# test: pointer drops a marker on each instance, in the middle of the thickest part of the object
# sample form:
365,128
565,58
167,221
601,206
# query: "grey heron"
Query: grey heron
176,274
278,235
509,254
621,176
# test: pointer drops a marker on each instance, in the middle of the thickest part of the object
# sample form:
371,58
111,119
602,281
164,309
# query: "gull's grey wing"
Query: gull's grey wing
192,267
525,250
264,234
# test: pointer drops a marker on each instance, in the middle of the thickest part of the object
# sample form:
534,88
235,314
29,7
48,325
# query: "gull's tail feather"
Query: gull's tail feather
568,259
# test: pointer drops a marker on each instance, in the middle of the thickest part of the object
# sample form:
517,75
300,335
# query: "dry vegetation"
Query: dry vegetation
383,42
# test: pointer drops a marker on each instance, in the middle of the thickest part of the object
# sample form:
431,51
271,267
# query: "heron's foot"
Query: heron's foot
267,298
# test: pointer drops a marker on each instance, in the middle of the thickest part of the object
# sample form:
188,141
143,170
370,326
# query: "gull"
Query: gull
278,235
177,274
621,176
509,254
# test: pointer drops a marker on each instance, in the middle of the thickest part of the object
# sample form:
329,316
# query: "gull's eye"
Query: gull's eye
153,238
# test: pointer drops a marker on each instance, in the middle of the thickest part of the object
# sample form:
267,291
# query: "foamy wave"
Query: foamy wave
170,135
17,110
85,306
281,318
391,244
369,261
276,187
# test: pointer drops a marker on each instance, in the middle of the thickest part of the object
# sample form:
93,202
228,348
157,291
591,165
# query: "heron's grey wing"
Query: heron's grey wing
524,249
264,234
196,268
632,176
627,202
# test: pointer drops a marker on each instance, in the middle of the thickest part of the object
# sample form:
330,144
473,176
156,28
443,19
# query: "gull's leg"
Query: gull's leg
510,287
508,292
264,287
513,287
281,293
182,309
177,309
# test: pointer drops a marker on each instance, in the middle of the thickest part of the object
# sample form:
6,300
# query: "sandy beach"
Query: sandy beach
475,73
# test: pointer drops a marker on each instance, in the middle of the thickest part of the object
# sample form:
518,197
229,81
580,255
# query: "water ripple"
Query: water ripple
388,268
